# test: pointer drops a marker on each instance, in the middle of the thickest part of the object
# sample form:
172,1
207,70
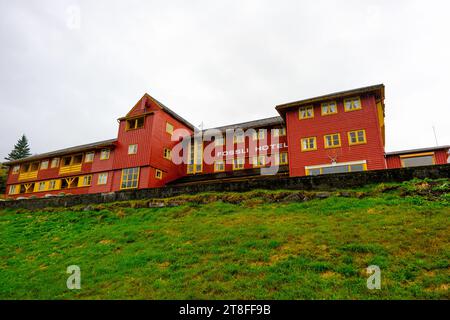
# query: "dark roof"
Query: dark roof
393,153
173,114
252,124
378,89
84,147
164,108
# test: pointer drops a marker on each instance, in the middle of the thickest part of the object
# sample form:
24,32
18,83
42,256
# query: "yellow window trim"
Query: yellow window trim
353,98
81,181
348,164
278,159
127,124
276,132
235,163
215,165
167,154
331,135
308,149
16,189
57,185
192,167
300,117
157,171
328,113
415,155
121,178
350,143
169,128
255,161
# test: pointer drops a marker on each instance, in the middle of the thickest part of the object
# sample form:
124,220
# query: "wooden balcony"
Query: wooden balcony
28,175
70,169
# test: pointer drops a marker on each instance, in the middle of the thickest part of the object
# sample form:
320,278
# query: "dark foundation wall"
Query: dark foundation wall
322,182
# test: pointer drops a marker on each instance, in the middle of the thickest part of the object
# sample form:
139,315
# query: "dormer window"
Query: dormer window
136,123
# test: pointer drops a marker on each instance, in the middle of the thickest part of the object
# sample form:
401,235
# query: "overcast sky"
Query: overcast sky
65,80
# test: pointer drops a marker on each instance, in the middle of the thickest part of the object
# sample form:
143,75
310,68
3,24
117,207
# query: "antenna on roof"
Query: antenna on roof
435,137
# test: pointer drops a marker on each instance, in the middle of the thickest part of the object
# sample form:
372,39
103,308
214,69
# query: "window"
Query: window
306,112
259,135
14,189
136,123
280,132
238,163
195,156
34,166
167,154
41,186
336,168
102,178
27,167
219,166
357,137
332,140
281,158
84,181
218,141
54,184
132,148
104,154
239,138
259,161
44,165
67,161
329,108
169,128
89,157
15,169
77,159
417,160
158,174
352,104
309,144
130,178
72,160
55,163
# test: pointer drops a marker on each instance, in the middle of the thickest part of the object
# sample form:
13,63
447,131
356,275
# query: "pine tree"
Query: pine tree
21,150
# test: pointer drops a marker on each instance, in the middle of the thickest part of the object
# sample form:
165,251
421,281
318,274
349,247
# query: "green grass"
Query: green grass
236,246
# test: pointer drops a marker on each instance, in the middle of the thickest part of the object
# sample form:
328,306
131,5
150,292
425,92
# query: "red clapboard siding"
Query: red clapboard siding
342,122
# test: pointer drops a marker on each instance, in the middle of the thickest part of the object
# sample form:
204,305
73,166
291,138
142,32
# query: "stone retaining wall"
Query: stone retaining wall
323,182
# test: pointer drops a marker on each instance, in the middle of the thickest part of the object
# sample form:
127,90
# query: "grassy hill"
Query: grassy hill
255,245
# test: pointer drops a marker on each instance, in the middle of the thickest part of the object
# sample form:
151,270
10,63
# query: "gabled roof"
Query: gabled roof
252,124
377,89
166,109
66,151
394,153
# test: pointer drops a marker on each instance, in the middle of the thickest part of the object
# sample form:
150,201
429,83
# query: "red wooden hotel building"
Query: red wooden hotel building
334,133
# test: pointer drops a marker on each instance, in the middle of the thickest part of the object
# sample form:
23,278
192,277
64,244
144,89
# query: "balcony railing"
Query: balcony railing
70,169
28,175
